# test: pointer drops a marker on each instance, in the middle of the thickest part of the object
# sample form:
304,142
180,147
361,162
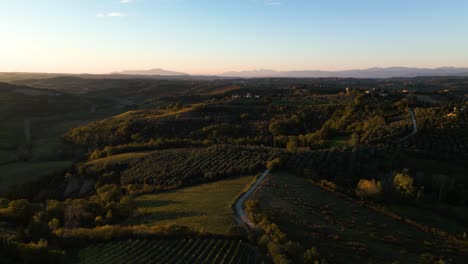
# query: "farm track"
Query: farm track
239,207
415,126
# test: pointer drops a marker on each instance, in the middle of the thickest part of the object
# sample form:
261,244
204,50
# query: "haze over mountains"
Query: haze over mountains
389,72
371,73
150,72
366,73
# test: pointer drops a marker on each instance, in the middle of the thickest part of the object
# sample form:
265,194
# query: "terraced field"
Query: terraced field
195,250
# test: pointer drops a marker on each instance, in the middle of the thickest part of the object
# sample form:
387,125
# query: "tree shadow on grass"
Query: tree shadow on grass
163,216
156,203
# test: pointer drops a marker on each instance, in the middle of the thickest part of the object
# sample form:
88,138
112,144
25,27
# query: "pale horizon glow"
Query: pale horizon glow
208,37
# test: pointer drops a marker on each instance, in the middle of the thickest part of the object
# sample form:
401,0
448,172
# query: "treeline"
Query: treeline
37,220
36,238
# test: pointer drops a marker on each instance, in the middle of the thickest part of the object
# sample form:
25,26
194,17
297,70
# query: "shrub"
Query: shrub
403,184
328,185
18,211
32,252
368,189
54,224
274,164
311,256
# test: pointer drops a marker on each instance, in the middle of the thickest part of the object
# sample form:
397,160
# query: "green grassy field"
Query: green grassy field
17,174
11,134
204,207
7,156
345,231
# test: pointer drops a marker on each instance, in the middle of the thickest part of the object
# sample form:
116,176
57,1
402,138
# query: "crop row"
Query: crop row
195,250
186,167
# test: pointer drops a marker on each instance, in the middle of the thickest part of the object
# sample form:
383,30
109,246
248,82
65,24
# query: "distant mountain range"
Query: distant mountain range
160,72
366,73
371,73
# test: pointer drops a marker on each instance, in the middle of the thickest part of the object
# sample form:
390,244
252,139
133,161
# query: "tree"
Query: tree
18,211
368,189
55,209
403,184
354,141
275,163
311,256
54,224
292,145
109,193
109,216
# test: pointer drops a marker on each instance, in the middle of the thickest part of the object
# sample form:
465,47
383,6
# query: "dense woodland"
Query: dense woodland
112,140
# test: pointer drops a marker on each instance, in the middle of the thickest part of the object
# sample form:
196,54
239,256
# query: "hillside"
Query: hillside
345,230
361,170
205,207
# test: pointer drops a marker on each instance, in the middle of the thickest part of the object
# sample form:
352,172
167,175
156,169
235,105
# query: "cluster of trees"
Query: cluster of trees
341,166
443,132
216,123
65,241
36,239
274,125
368,121
300,120
12,251
401,186
347,167
447,117
109,205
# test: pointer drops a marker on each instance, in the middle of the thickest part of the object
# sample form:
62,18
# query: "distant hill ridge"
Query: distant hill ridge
371,73
150,72
366,73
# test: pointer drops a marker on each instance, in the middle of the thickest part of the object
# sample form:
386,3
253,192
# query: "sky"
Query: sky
215,36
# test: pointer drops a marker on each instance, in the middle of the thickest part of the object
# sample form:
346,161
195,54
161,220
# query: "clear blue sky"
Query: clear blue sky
213,36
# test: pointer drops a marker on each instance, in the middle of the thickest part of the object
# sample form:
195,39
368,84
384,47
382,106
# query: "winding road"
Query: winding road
239,207
415,126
